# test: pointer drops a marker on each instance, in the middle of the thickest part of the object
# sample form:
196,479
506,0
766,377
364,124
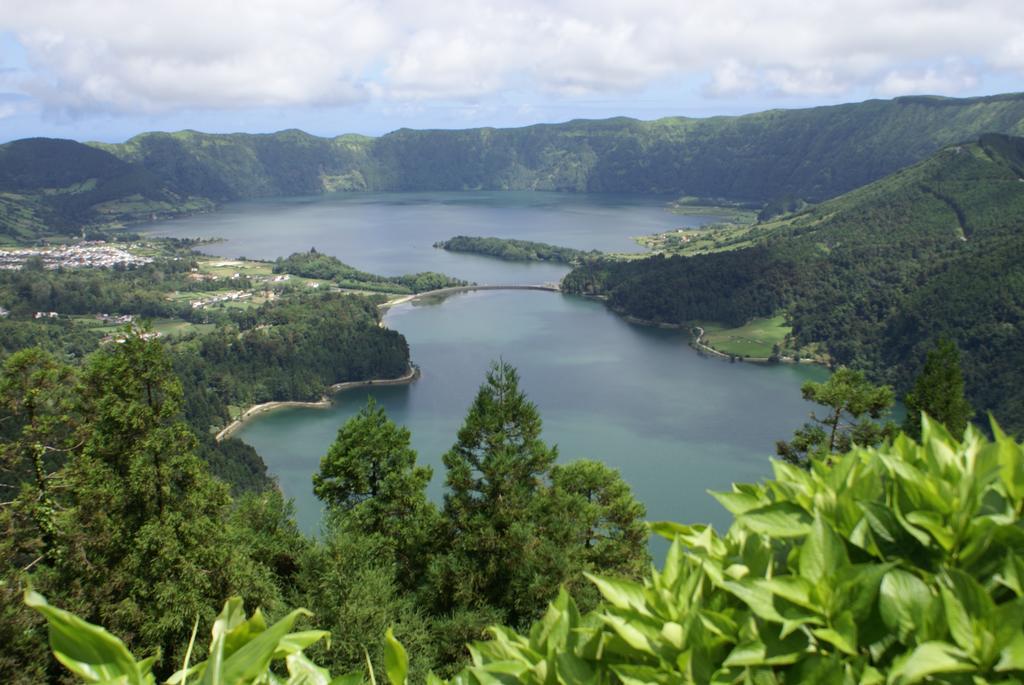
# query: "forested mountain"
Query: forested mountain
877,274
812,154
59,186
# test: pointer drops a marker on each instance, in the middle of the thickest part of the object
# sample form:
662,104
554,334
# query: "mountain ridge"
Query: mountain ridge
812,154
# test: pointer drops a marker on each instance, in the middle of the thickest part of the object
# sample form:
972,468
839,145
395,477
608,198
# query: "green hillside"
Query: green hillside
773,156
60,186
876,274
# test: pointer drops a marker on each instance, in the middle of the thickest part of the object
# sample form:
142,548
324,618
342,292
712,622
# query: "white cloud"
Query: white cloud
951,78
134,55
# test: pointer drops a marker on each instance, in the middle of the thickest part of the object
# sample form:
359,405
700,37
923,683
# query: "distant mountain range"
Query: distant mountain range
812,154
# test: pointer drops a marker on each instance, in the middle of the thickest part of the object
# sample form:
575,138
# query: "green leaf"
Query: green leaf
630,674
1012,575
779,520
251,659
842,633
1011,463
928,659
770,650
737,502
302,671
967,606
296,642
396,661
1012,656
230,617
907,606
356,678
961,624
629,634
571,670
933,523
621,593
823,552
88,651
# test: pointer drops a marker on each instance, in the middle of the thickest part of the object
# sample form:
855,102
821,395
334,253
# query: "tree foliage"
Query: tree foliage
513,250
506,500
129,527
898,564
875,276
939,392
852,403
372,486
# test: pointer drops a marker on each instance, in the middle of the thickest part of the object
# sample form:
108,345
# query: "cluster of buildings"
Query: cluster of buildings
116,319
230,296
93,254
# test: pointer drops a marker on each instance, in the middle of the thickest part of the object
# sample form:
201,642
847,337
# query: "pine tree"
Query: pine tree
589,523
852,403
146,545
495,470
371,485
939,392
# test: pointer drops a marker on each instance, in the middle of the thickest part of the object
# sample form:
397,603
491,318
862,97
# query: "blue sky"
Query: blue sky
107,69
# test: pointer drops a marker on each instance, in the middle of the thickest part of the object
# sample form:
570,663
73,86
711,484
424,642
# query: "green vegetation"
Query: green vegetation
939,392
115,515
65,186
706,239
730,211
897,564
241,649
276,341
313,264
852,403
505,499
779,157
874,276
760,338
514,250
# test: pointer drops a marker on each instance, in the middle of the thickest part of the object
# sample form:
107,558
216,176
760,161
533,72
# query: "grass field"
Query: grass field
173,327
703,240
167,327
225,268
755,339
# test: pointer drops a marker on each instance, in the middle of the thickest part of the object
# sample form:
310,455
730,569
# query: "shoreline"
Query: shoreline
323,403
384,306
698,345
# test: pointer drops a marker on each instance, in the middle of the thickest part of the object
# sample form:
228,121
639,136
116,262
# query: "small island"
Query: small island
515,250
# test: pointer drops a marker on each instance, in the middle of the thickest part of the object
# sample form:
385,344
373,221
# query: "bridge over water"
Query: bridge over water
548,287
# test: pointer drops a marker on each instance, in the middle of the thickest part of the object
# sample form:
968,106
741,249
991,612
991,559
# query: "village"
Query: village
93,254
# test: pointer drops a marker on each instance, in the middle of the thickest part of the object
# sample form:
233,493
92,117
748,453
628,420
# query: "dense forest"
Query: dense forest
289,348
514,250
779,156
877,275
313,264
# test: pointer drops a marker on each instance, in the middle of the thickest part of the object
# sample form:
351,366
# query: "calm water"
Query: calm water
394,233
675,424
636,398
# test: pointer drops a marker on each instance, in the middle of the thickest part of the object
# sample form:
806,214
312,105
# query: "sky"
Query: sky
108,69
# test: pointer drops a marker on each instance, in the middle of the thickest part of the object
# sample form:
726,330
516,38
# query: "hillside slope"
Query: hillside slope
59,186
876,274
812,154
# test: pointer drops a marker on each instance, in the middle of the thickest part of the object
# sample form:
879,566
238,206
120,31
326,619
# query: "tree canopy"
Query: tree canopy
939,392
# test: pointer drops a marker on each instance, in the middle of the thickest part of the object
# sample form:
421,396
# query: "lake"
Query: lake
394,233
637,398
